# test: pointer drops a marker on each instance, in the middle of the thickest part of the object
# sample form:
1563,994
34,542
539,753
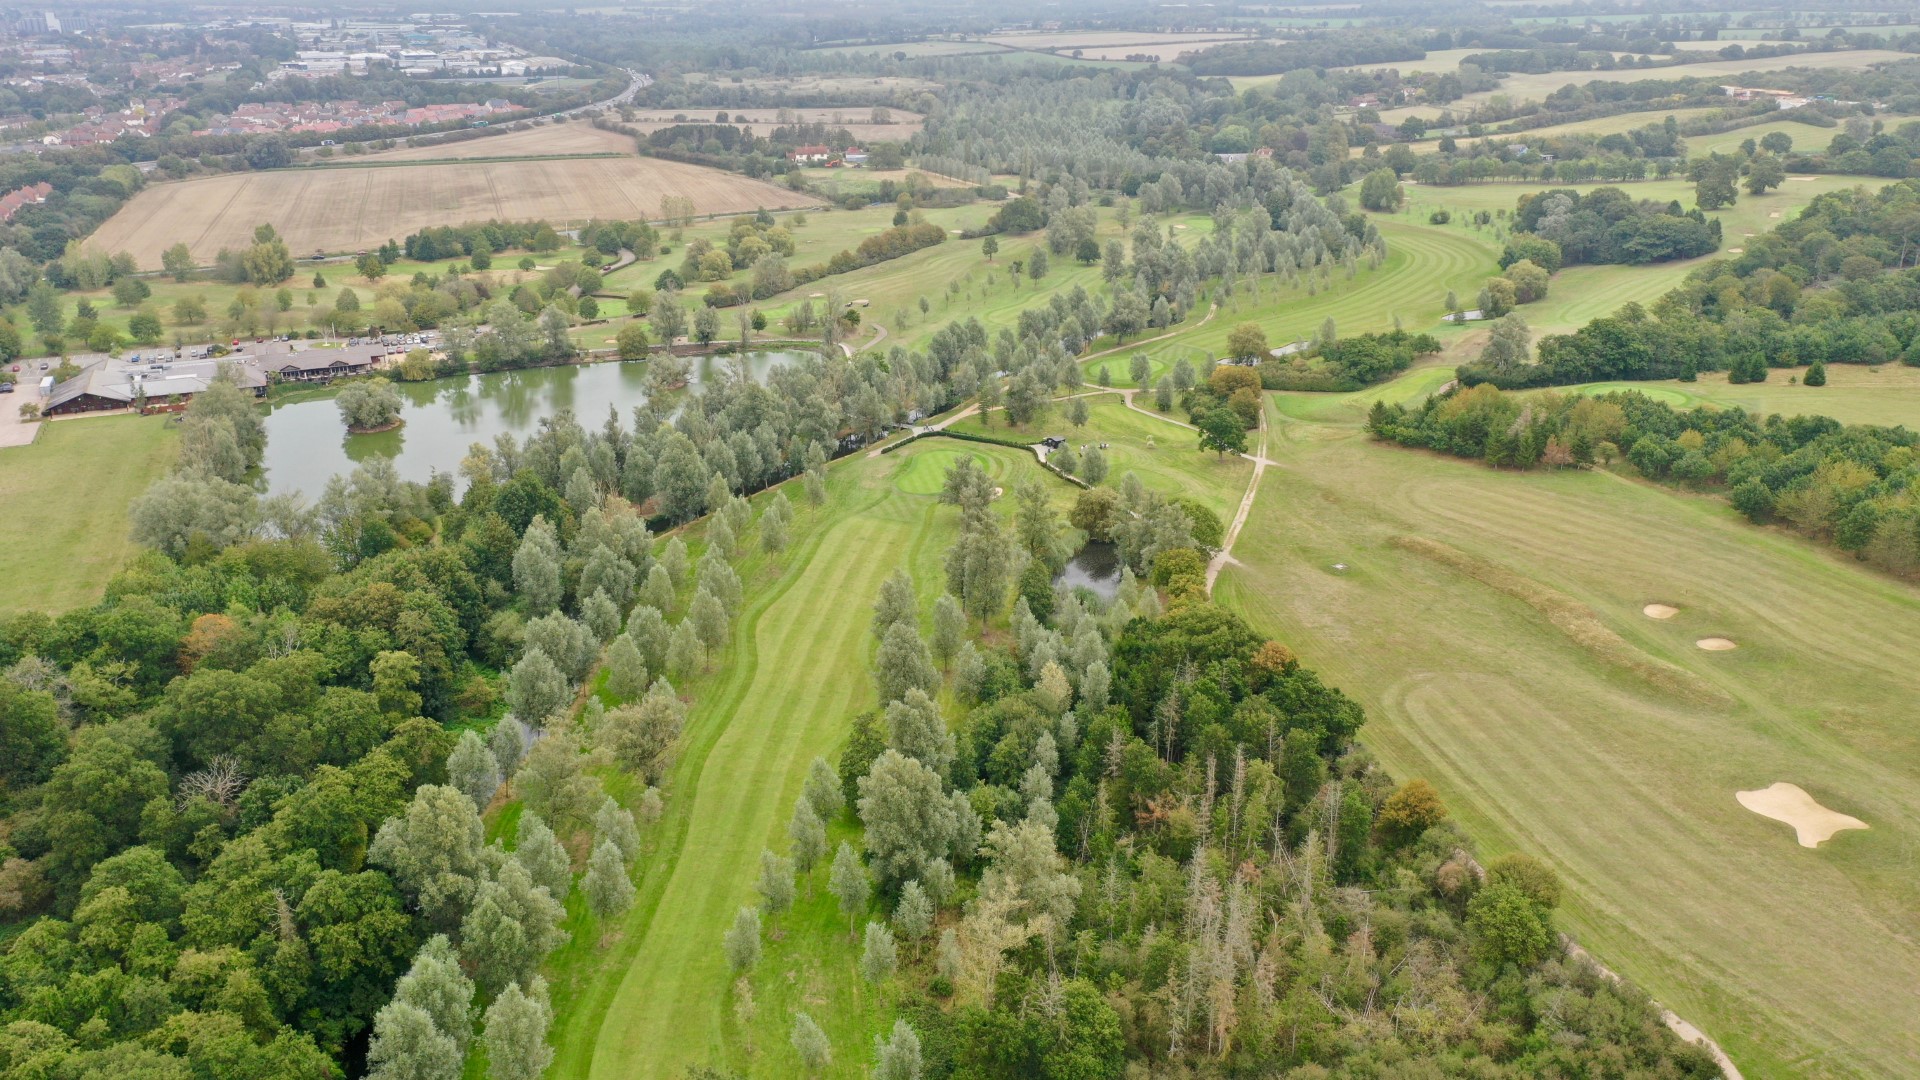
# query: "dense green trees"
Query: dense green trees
1380,190
368,404
1606,225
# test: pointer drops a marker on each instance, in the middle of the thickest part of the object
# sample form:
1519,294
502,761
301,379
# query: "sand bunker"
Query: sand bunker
1716,644
1812,822
1659,611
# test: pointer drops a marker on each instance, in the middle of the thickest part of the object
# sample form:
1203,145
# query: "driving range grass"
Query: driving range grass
1799,962
653,995
66,497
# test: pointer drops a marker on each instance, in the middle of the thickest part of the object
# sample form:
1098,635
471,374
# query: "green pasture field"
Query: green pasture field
1887,394
66,497
652,995
1552,737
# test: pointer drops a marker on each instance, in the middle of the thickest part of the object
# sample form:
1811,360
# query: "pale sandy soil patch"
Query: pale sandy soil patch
1659,611
1716,644
1812,823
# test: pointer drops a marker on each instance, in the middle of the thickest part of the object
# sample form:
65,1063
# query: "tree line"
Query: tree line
1845,485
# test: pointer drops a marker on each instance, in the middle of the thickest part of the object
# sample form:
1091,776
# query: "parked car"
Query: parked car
6,388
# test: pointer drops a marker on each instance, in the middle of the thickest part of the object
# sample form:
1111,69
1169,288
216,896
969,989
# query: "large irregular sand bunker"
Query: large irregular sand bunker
1812,822
1659,611
1716,644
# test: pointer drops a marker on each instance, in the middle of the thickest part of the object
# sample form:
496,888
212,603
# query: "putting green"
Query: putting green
923,473
1679,399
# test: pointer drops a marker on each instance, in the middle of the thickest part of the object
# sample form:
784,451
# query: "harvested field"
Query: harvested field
1160,53
855,118
916,49
875,176
1088,40
824,85
345,210
1529,87
580,138
1437,60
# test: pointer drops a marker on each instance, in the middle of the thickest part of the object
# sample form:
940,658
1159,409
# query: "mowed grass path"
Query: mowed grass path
64,501
1800,962
654,998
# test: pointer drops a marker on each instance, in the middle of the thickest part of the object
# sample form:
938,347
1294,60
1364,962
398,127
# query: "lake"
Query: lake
307,442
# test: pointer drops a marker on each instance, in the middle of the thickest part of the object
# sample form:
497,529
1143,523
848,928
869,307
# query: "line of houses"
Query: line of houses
12,201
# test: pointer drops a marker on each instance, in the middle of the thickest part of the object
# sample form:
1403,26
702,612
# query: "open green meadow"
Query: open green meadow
1491,623
1887,394
66,498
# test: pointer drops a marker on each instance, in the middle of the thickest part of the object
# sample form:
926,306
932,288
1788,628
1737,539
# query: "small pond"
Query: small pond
1095,567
